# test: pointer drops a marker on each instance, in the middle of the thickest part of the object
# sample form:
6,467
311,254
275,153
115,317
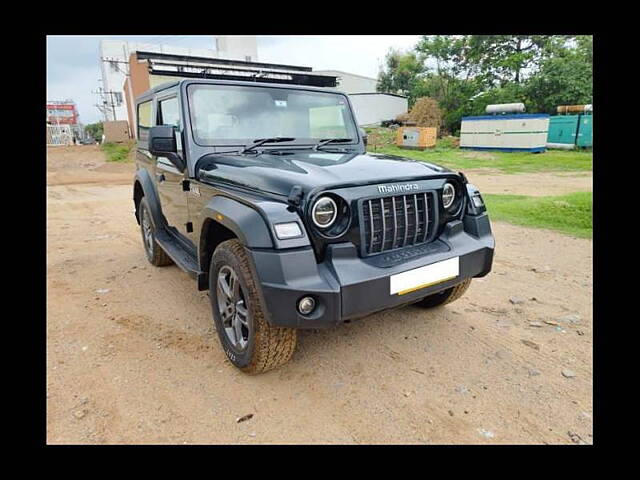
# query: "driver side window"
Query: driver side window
168,112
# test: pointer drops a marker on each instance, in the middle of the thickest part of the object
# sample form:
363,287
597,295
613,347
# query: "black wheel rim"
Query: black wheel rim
232,308
147,232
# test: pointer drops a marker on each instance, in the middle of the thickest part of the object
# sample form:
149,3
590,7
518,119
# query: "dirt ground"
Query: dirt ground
533,184
132,356
85,164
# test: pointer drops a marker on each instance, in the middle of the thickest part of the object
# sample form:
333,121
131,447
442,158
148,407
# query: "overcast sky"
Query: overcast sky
73,69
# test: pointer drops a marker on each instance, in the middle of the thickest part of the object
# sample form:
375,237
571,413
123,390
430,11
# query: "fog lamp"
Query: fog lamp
306,305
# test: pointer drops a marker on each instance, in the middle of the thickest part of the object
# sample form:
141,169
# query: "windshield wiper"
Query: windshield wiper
327,141
262,141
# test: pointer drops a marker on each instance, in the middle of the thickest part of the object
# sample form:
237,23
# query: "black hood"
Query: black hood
279,172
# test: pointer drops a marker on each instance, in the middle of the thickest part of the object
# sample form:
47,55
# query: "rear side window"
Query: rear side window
144,120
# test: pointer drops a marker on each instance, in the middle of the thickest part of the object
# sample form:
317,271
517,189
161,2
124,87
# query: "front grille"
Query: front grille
389,223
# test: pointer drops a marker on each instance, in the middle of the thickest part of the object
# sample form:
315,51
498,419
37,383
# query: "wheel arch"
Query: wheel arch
212,234
226,218
143,187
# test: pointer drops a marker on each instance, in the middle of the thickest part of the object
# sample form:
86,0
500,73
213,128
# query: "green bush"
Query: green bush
117,152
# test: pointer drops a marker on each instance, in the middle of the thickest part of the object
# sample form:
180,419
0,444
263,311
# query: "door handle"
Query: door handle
160,177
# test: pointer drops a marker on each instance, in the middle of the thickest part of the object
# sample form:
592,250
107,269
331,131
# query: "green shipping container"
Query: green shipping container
570,130
563,129
585,131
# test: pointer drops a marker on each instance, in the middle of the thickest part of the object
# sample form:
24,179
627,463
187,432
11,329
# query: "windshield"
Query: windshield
238,115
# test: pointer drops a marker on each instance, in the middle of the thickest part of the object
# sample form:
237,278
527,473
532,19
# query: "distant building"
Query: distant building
374,108
371,107
351,83
62,113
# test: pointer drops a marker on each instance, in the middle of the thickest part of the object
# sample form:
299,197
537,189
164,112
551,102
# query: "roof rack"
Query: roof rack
223,69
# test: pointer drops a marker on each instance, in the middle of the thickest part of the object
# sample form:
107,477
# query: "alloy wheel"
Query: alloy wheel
232,307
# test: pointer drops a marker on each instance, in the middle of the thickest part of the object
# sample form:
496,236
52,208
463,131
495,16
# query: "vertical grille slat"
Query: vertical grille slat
415,228
411,226
371,223
395,223
426,217
384,225
406,220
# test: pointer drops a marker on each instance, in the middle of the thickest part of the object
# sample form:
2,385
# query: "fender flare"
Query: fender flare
144,179
245,222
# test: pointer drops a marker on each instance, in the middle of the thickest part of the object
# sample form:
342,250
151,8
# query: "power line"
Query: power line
106,105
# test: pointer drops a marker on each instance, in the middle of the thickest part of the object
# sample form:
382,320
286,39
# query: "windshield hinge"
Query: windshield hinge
185,185
295,195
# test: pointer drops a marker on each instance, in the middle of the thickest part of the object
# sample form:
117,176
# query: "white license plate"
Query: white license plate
426,276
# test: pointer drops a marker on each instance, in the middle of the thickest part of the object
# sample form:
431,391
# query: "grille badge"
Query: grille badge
407,187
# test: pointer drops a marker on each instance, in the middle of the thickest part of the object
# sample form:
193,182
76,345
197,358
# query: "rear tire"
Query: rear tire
155,254
446,296
249,341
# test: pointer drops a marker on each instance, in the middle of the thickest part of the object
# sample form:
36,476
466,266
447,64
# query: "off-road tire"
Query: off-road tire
446,296
268,346
155,254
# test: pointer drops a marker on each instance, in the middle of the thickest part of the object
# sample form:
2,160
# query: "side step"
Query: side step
182,258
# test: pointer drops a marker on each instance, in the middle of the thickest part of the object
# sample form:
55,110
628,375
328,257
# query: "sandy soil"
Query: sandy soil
132,356
85,164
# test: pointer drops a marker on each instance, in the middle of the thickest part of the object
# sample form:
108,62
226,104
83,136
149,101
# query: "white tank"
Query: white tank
505,108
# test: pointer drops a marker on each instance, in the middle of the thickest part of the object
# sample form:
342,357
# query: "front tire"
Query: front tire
446,296
248,340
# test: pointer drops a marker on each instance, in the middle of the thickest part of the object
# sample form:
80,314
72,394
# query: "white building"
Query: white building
371,107
114,60
350,82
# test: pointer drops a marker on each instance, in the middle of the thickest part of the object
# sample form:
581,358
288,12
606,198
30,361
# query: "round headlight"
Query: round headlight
324,212
448,195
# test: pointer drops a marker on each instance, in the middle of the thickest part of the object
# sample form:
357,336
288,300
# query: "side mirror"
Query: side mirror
364,135
162,143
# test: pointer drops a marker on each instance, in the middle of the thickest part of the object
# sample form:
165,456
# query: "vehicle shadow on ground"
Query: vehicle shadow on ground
367,334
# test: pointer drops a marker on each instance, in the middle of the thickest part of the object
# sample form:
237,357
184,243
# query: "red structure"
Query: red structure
63,113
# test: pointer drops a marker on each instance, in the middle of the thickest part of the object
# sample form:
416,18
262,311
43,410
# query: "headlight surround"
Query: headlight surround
330,215
448,195
324,212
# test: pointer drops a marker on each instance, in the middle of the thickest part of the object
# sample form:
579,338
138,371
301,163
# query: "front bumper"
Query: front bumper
346,286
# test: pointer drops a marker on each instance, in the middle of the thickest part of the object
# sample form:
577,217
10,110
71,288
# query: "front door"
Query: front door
168,178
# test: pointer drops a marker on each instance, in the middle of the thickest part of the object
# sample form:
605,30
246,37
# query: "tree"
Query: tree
400,73
509,58
95,130
565,79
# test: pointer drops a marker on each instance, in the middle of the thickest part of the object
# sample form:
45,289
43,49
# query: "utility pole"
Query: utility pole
111,104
